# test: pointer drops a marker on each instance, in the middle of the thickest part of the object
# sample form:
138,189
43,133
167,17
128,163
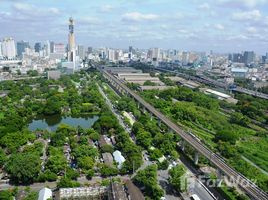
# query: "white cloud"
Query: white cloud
253,15
243,3
28,9
136,17
251,29
204,6
219,27
106,8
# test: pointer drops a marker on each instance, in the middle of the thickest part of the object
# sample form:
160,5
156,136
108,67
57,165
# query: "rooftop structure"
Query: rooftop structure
81,192
108,159
45,194
134,192
119,158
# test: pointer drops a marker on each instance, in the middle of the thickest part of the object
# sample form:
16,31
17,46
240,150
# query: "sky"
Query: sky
190,25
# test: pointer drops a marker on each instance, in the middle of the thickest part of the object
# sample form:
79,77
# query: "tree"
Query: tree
3,157
90,173
23,167
108,171
144,139
107,148
85,162
227,136
6,195
176,178
147,178
67,183
240,119
93,135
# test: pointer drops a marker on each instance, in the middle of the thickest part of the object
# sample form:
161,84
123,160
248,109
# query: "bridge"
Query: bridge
214,83
252,190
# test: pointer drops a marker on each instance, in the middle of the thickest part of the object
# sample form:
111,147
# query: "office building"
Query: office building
238,58
59,48
89,50
37,47
81,51
21,46
52,46
130,52
249,57
1,54
8,48
155,54
185,58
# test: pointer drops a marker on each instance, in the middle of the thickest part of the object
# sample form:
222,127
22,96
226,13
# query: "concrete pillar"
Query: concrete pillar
151,116
144,110
138,104
196,157
159,122
219,177
182,145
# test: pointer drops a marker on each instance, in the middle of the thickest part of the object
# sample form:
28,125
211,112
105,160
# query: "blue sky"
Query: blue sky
202,25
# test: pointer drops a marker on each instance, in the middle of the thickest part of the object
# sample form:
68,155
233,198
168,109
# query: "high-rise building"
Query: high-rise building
1,54
37,47
71,43
52,47
130,52
249,57
59,48
185,58
8,48
156,54
81,51
238,57
21,46
89,50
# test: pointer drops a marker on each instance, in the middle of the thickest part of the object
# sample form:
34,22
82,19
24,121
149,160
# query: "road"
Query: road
249,187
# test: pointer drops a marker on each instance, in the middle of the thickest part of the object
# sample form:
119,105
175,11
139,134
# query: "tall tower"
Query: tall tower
71,46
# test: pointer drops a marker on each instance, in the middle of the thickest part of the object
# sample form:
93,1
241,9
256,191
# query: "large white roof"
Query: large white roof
45,194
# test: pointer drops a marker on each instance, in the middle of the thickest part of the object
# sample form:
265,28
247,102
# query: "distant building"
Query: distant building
238,57
45,194
52,47
249,57
81,51
239,72
54,75
21,46
119,158
37,47
89,50
59,48
8,48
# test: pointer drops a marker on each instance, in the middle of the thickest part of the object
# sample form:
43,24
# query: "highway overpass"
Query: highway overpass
245,184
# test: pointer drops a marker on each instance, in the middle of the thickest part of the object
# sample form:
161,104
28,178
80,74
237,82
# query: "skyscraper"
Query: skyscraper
71,43
37,47
1,55
81,51
21,46
249,57
52,47
8,48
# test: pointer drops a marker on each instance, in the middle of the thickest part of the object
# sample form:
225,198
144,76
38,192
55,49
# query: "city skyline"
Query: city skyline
187,25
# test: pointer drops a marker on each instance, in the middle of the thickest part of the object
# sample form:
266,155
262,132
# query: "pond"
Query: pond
51,123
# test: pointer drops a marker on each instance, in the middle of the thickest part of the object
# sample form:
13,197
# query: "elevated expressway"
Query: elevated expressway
252,190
